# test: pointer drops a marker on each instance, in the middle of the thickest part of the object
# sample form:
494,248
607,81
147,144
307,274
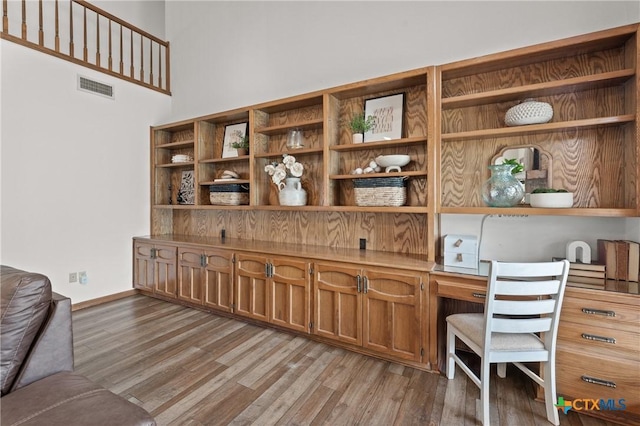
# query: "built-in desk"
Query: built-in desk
598,347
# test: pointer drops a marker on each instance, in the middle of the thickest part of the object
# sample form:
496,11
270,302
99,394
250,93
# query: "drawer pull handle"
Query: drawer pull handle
458,243
600,382
591,311
479,295
459,257
599,338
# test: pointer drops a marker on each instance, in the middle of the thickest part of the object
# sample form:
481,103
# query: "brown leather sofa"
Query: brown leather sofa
37,382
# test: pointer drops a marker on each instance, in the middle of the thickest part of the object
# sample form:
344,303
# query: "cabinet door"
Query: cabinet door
338,306
218,280
251,291
190,275
289,294
392,313
165,271
143,266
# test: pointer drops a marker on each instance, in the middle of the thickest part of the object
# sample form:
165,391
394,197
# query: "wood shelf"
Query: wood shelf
380,144
525,210
539,128
223,182
176,206
224,160
176,165
294,152
304,125
380,175
176,145
541,89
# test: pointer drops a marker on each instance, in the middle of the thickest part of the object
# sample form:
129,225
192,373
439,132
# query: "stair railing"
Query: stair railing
131,53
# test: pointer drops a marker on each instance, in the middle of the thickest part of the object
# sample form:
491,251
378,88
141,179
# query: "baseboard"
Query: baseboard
104,299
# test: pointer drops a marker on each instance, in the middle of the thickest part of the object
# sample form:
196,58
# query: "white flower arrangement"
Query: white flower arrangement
289,167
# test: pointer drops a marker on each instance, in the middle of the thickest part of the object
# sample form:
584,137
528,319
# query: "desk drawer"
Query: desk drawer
461,291
600,313
597,377
625,344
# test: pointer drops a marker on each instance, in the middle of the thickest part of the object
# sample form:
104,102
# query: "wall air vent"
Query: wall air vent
88,85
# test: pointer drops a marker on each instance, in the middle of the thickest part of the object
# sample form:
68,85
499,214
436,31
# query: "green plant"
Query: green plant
519,167
547,190
241,142
360,124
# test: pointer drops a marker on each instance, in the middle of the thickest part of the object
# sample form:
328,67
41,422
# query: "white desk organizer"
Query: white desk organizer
461,251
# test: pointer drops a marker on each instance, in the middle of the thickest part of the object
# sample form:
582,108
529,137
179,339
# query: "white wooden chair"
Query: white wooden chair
529,301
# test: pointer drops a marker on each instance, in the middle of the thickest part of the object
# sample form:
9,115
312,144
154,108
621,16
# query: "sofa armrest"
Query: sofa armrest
52,352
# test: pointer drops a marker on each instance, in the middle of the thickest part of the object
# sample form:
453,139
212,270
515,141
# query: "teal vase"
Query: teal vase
502,189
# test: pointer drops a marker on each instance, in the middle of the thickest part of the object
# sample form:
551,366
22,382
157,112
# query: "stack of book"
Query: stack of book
586,275
621,259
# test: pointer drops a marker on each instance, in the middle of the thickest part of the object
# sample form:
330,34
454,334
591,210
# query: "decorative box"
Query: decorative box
229,194
380,191
461,251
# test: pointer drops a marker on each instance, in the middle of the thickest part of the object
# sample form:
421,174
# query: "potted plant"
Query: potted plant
241,144
550,198
359,125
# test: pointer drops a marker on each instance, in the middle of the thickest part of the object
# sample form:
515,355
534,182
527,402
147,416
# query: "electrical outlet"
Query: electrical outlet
73,277
82,277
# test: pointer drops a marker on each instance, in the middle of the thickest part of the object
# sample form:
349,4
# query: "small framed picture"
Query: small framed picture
233,133
387,117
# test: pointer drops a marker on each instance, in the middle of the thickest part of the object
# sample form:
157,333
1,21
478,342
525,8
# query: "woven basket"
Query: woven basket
387,191
528,112
233,194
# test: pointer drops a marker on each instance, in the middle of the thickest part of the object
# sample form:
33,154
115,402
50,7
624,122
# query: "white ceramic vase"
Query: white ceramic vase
291,192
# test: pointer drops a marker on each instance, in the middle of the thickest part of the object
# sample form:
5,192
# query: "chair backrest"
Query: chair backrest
525,298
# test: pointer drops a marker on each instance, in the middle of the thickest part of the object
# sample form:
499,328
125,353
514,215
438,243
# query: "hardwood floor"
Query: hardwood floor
188,367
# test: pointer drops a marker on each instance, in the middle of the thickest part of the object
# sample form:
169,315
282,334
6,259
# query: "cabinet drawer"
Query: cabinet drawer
461,291
597,377
601,313
626,344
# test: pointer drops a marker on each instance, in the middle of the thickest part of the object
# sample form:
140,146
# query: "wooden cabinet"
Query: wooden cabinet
590,146
377,309
289,293
598,349
345,156
154,268
205,277
211,160
274,290
172,153
271,124
328,156
337,291
251,290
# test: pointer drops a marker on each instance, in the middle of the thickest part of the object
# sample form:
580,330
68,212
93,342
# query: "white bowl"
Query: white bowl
392,162
551,200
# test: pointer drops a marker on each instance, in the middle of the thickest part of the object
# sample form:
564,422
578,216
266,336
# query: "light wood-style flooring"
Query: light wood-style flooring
189,367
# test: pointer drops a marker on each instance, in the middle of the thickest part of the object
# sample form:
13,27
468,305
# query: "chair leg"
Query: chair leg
502,370
451,350
549,377
485,370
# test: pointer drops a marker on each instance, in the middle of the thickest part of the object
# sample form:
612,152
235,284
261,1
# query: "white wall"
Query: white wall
75,171
232,54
